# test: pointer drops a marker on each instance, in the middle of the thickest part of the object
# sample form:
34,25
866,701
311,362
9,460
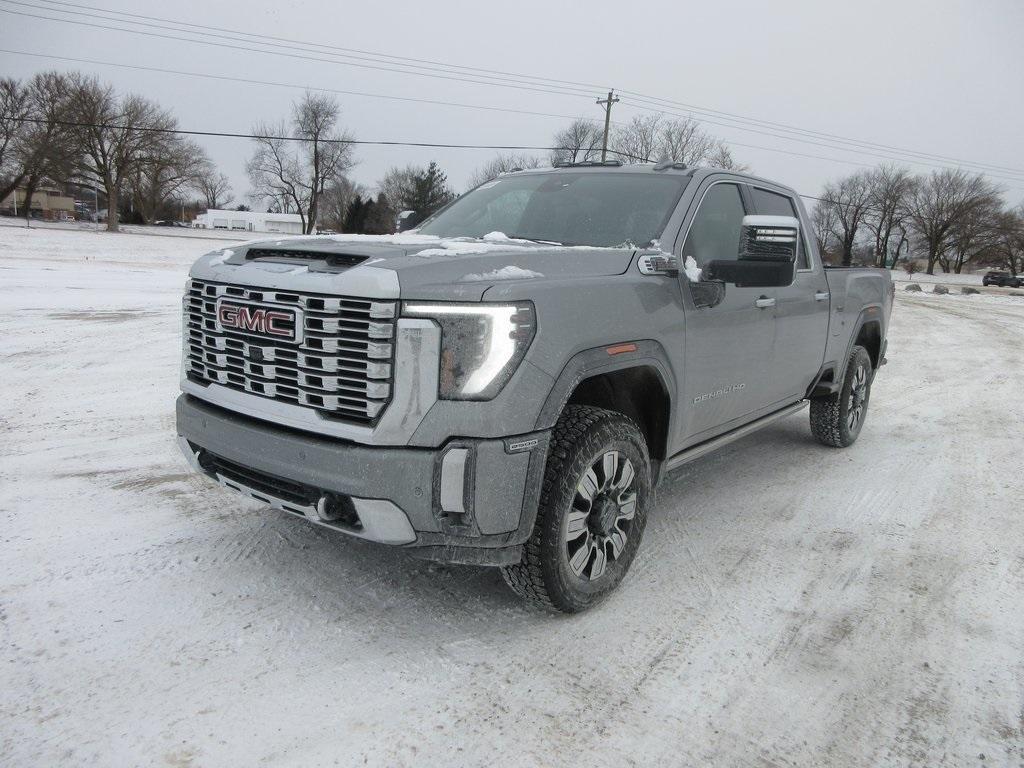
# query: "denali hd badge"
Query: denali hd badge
718,393
272,320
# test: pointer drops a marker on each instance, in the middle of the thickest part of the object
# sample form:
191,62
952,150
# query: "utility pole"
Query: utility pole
607,104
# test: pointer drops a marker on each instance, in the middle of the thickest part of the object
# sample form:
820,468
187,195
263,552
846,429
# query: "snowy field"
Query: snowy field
791,604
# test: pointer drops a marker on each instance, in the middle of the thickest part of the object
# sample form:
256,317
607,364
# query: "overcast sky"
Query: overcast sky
943,78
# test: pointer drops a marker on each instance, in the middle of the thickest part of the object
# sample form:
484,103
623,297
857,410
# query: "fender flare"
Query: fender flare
870,314
597,360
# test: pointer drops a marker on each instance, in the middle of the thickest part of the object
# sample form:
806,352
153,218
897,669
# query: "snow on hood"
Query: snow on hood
442,246
421,266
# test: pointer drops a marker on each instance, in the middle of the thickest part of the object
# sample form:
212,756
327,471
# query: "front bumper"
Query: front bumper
469,501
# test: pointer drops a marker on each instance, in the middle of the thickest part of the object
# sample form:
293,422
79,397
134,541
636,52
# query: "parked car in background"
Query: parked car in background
1004,279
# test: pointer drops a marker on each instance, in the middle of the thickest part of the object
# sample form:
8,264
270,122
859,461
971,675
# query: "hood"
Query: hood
422,266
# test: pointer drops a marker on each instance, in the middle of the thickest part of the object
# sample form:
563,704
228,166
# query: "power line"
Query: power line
270,137
654,103
554,90
890,157
654,107
226,134
378,54
655,100
297,86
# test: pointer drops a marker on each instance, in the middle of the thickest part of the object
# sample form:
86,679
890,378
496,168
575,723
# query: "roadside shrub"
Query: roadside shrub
913,287
967,290
940,289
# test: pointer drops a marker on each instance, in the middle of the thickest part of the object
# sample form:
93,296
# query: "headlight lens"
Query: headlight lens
481,345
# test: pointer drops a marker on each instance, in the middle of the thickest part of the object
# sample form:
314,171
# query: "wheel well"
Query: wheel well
637,393
870,337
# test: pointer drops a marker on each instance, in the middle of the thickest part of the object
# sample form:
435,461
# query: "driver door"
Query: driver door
729,343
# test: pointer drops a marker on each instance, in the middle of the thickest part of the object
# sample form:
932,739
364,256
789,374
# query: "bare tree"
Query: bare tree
580,141
502,163
37,145
911,267
397,185
171,165
335,201
683,141
974,235
44,147
274,171
722,158
1010,241
655,138
824,220
114,136
941,201
849,200
297,177
1008,250
15,108
215,187
888,188
639,140
423,190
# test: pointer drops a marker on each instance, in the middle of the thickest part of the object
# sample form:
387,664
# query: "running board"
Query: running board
702,449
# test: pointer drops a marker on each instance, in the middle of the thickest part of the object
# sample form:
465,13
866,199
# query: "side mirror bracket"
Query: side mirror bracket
659,263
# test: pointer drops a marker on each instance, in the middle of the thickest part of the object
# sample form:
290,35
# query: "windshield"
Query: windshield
586,208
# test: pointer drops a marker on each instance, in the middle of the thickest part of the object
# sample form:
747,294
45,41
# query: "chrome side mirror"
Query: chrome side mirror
769,238
406,220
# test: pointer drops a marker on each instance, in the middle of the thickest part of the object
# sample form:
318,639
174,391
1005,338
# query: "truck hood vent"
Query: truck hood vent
332,258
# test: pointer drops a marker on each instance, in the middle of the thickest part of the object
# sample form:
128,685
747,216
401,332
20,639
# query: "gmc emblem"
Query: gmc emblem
260,319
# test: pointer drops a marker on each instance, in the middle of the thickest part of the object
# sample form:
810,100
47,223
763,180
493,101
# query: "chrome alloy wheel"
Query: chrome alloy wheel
599,522
858,394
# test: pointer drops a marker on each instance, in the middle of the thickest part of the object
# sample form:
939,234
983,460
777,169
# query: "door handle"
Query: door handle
764,302
822,296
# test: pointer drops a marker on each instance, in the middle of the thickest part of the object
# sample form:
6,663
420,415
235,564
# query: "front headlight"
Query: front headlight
481,345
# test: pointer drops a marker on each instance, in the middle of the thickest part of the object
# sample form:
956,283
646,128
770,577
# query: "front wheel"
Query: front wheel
592,512
836,420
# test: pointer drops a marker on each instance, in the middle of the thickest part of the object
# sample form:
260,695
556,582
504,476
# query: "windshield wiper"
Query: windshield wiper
536,240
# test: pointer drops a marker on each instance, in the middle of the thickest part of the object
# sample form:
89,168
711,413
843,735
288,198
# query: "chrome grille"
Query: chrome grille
342,368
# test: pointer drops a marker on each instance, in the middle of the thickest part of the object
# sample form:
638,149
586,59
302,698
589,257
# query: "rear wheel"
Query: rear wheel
592,512
836,420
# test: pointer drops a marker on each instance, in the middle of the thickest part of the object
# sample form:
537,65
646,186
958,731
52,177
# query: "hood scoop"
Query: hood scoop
333,259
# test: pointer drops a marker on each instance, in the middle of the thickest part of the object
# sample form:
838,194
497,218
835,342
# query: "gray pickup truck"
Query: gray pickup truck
507,384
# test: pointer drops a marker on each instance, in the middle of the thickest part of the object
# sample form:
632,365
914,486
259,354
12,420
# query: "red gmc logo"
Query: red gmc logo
261,320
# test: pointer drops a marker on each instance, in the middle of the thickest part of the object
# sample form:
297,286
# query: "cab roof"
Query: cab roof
617,166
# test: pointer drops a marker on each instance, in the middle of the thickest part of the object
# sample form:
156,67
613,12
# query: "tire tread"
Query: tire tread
828,413
526,578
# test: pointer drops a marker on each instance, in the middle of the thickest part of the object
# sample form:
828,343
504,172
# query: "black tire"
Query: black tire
837,420
549,574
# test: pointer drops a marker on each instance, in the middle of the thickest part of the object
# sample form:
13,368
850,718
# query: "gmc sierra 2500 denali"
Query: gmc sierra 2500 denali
507,384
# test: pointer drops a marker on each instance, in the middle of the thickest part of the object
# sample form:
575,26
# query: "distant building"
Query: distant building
250,221
48,203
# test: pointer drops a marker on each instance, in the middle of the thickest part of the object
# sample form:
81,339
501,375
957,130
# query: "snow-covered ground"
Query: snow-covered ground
948,278
791,604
